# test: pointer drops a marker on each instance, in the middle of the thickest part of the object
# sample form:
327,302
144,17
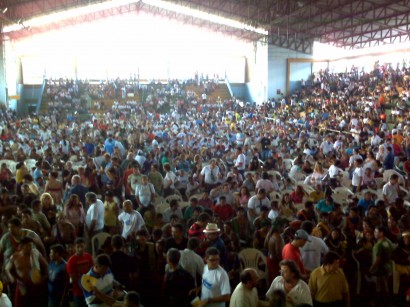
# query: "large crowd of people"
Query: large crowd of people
299,201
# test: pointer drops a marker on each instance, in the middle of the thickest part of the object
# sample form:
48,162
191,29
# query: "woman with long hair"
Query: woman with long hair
48,207
54,187
74,211
287,208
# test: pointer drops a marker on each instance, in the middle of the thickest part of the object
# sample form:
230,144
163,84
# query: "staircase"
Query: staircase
30,98
221,90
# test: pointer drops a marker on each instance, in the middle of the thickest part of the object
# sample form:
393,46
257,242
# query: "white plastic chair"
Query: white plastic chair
11,165
254,258
288,164
97,241
177,197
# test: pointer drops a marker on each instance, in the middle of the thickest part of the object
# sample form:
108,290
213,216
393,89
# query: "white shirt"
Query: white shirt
192,263
300,293
214,283
144,192
95,212
312,252
390,191
255,203
131,222
358,172
240,162
210,175
5,301
334,171
326,147
169,180
243,296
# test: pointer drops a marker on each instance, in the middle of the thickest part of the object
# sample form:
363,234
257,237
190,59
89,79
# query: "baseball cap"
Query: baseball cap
301,234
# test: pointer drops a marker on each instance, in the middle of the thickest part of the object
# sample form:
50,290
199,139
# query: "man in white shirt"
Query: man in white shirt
240,162
246,293
255,204
191,261
131,220
313,250
210,175
215,290
144,192
94,219
326,146
391,190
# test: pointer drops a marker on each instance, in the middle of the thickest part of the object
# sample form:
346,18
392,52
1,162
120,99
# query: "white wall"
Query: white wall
277,64
257,84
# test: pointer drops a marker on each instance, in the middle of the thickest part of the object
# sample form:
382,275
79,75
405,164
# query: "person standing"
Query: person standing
246,293
382,266
240,162
77,265
313,250
28,269
131,220
58,279
291,251
215,290
328,284
95,215
178,283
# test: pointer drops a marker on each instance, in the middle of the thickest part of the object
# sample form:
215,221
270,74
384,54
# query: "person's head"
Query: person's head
173,204
177,231
46,199
26,216
102,263
56,252
109,196
142,236
278,298
250,278
26,245
380,232
212,258
117,242
75,180
261,194
132,299
91,197
301,237
127,206
331,261
14,226
167,167
144,179
173,256
193,243
394,179
203,219
289,270
222,200
79,246
307,226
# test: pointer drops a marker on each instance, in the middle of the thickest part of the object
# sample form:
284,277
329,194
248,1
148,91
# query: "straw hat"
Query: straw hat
211,227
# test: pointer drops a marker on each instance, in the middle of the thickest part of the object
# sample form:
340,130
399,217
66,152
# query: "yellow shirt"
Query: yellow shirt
328,287
110,217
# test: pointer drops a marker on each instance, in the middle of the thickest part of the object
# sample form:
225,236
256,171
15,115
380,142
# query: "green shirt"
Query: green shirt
384,250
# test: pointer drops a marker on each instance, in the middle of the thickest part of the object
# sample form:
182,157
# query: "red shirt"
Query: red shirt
79,266
291,252
225,212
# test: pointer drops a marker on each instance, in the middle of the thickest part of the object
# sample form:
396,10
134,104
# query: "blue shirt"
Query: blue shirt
323,207
365,204
109,146
104,284
57,280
